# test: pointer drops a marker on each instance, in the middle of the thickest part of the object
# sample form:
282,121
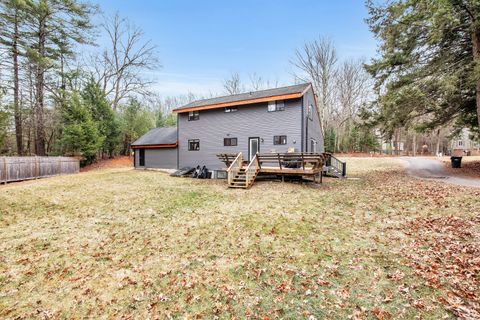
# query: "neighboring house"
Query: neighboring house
462,145
275,120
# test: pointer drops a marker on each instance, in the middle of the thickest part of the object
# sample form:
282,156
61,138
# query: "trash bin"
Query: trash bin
456,162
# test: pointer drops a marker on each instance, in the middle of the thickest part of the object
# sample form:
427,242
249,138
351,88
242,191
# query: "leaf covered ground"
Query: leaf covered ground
121,243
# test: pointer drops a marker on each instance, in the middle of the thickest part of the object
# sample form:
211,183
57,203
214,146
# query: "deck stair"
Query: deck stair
334,167
240,176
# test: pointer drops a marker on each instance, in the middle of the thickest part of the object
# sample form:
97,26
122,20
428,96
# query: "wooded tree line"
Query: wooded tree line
427,75
423,85
342,88
59,102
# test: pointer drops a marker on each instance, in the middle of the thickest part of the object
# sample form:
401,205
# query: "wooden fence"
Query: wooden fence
25,168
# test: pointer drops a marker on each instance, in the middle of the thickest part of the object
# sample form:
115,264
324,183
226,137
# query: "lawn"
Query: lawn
122,243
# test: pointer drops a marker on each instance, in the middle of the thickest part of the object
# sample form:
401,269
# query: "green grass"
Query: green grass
121,242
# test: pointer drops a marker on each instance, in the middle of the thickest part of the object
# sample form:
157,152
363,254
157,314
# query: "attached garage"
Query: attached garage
157,149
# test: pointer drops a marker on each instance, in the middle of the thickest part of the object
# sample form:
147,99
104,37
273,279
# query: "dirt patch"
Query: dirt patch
445,252
117,162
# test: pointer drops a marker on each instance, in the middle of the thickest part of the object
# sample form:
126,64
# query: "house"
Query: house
277,120
463,145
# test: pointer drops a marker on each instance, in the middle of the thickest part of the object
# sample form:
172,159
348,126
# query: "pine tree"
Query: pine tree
80,134
12,16
104,117
136,121
429,64
57,25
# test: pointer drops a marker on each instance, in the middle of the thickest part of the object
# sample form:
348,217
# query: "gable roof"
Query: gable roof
284,93
158,137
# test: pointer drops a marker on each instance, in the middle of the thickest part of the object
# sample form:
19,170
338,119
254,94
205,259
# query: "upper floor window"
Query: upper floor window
230,142
231,109
460,143
276,106
280,140
193,115
310,112
193,145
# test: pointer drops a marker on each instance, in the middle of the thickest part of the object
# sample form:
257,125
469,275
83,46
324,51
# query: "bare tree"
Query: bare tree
233,85
316,63
120,70
259,83
352,90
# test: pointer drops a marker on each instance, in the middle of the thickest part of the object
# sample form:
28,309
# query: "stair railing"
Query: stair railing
235,167
336,163
251,171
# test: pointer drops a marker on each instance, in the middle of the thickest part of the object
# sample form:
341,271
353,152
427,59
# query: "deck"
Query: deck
242,174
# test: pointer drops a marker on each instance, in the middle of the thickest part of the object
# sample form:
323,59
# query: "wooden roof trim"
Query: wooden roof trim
242,102
155,146
306,89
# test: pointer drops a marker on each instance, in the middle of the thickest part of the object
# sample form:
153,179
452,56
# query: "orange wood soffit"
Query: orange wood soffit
155,146
242,102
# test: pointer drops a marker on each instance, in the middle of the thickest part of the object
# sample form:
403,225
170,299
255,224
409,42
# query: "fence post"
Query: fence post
37,169
5,169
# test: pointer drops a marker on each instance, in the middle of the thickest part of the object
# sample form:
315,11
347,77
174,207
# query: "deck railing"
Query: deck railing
235,167
336,163
252,170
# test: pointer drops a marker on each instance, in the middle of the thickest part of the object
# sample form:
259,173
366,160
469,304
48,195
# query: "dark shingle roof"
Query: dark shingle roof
299,88
166,135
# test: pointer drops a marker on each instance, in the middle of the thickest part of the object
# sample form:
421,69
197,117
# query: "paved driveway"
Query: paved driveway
431,169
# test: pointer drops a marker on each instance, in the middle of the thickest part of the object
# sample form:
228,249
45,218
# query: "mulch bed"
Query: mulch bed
445,252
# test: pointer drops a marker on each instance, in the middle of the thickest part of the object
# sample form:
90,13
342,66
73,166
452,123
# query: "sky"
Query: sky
200,43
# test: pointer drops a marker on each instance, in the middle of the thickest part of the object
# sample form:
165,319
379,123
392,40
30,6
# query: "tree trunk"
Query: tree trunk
414,144
437,147
39,85
16,101
476,56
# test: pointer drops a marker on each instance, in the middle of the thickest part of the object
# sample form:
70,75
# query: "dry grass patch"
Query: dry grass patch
125,243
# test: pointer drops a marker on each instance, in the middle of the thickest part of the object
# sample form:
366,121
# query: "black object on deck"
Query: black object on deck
456,162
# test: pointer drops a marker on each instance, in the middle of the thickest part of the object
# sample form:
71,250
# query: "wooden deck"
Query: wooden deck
242,174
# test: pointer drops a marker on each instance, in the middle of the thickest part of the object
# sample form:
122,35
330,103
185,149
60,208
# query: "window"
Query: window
193,145
141,157
231,109
230,142
460,143
276,106
193,115
310,112
280,140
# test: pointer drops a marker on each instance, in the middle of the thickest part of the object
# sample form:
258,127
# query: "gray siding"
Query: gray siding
162,158
249,121
312,127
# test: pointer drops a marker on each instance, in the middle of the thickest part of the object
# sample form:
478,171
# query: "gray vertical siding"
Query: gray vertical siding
162,158
312,127
249,121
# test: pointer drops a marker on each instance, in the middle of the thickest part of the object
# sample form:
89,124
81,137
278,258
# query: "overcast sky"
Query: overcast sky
202,42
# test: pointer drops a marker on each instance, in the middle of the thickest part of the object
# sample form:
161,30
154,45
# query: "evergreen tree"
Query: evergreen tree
12,16
108,127
164,120
429,65
57,25
80,133
135,122
330,138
